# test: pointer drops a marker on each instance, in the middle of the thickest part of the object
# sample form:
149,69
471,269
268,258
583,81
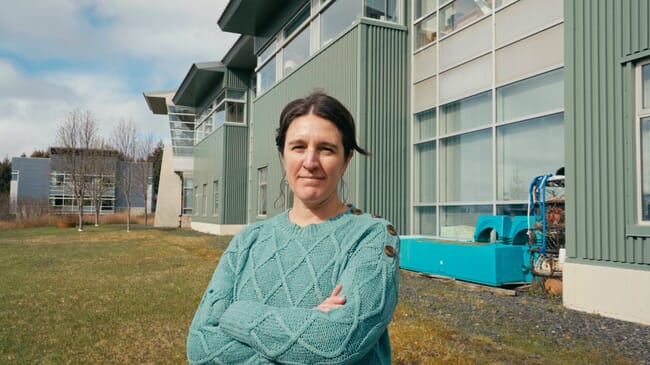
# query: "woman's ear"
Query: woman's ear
347,161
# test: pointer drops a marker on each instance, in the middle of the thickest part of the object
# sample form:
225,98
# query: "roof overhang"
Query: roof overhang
200,80
249,16
157,100
241,55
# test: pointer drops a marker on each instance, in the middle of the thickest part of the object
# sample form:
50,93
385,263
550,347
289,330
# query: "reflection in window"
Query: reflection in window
297,22
467,167
262,176
266,77
460,221
381,9
500,3
424,7
234,112
425,125
268,52
425,31
296,52
425,220
187,196
645,168
472,112
425,172
531,96
520,143
462,12
336,18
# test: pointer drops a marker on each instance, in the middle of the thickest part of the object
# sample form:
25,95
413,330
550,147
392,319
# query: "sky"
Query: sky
57,56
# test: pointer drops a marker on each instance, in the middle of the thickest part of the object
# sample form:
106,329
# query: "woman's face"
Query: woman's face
314,159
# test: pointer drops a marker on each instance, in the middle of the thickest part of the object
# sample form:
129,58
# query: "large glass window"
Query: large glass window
525,150
531,96
14,175
645,168
469,113
262,178
234,112
425,125
381,9
296,52
426,31
266,76
462,12
423,7
425,172
336,18
466,167
215,198
425,220
459,221
500,3
188,192
643,117
204,200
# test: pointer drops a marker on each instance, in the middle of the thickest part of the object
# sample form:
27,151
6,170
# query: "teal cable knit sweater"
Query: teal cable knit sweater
259,305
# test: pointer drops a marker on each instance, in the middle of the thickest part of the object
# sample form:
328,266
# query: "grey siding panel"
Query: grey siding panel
386,125
233,193
238,79
33,177
335,71
600,129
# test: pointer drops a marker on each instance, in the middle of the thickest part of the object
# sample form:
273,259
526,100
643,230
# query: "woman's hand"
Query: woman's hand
333,301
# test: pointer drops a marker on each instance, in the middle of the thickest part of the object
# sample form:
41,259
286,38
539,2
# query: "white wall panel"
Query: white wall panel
525,17
425,63
424,94
466,80
530,55
466,44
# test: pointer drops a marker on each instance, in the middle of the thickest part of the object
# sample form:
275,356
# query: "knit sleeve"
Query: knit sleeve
206,342
342,335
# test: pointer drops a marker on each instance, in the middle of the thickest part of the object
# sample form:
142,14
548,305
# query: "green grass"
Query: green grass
107,296
100,296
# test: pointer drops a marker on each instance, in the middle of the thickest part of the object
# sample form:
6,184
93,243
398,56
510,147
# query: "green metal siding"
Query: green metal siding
334,71
208,166
600,130
238,79
384,122
366,69
233,182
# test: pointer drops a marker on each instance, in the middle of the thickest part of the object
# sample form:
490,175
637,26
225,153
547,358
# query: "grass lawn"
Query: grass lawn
107,296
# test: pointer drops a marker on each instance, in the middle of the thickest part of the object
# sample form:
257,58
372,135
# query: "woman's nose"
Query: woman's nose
311,159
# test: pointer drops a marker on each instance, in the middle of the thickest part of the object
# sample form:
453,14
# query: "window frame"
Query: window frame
215,198
262,185
640,114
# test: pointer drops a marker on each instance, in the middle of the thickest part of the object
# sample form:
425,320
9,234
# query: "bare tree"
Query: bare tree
124,139
76,138
143,170
101,177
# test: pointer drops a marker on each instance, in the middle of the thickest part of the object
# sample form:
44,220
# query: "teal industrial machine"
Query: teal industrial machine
506,249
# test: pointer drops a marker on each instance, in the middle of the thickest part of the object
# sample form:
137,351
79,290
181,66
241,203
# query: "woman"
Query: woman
316,284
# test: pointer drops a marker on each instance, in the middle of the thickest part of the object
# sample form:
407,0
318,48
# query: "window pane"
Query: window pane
425,31
645,169
296,52
235,94
424,7
646,86
266,76
462,12
261,192
425,172
468,113
425,125
234,112
337,18
535,95
220,115
425,221
381,9
466,167
459,221
270,50
540,140
297,22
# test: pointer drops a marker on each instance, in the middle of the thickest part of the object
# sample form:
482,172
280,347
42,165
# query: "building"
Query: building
462,103
45,185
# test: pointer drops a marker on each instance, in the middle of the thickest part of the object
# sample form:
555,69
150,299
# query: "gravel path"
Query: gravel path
531,313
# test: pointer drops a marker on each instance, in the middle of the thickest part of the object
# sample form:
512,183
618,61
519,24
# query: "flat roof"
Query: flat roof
200,79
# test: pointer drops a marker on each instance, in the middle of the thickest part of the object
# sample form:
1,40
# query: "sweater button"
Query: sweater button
389,251
391,230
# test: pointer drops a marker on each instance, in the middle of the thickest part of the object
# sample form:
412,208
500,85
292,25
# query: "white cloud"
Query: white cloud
97,55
